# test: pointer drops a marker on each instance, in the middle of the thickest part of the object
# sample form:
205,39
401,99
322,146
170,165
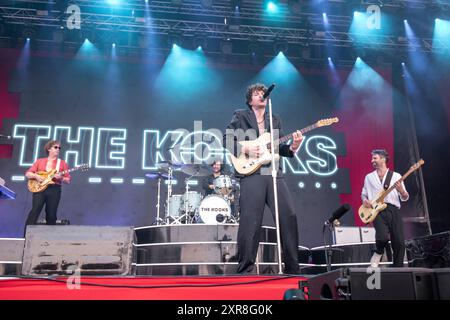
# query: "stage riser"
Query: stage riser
11,249
201,270
196,233
199,252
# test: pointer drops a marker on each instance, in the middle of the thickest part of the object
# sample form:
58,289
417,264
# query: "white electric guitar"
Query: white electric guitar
245,165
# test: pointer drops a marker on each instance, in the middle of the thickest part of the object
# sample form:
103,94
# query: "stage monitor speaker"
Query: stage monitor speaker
326,286
431,251
364,284
90,250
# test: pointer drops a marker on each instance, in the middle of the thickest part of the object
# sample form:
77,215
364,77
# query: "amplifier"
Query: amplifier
343,235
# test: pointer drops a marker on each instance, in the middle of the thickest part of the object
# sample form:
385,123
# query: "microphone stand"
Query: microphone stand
329,248
275,190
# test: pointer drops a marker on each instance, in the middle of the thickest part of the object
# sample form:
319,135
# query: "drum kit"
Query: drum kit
191,207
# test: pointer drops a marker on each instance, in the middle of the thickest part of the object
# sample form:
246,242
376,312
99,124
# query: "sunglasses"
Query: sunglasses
56,147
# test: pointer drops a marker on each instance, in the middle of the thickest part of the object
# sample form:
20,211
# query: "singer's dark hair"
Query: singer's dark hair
251,89
382,153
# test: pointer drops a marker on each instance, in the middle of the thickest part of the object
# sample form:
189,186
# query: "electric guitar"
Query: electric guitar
35,186
245,165
367,215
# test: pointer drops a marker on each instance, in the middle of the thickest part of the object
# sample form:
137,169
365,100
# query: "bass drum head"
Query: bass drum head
214,210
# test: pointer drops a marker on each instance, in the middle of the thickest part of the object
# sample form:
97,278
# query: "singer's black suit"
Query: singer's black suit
256,192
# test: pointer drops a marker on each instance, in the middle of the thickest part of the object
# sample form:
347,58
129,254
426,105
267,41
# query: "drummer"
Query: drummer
208,181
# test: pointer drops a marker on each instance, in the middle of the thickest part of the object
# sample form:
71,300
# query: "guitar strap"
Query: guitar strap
387,182
58,163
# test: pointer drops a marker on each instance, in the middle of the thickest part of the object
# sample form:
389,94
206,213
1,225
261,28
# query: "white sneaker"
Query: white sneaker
375,260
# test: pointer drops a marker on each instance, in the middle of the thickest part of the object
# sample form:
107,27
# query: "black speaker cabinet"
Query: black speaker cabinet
90,250
374,284
392,284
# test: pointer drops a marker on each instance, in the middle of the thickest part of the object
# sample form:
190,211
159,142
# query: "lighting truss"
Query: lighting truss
217,22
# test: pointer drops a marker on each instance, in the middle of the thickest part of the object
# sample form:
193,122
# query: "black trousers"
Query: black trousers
50,198
389,223
256,192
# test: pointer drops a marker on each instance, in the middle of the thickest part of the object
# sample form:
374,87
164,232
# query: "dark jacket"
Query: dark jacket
245,119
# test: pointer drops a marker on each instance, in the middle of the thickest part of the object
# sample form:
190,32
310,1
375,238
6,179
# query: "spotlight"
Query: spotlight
28,32
89,34
235,5
175,38
200,41
280,46
360,52
272,7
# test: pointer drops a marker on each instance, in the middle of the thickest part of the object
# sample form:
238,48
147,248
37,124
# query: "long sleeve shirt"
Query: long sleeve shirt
373,185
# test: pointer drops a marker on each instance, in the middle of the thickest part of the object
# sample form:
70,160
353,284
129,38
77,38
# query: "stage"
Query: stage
149,288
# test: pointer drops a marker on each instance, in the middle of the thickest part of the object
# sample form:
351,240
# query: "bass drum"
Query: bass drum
214,210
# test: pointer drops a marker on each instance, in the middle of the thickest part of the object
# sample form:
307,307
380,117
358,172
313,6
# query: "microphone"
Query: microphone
6,137
338,213
267,93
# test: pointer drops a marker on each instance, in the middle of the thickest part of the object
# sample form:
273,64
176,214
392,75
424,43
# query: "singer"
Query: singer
257,188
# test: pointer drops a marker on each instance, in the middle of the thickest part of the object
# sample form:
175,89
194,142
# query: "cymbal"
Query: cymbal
157,175
199,170
164,165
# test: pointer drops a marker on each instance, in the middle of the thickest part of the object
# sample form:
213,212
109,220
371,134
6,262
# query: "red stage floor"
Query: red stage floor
150,288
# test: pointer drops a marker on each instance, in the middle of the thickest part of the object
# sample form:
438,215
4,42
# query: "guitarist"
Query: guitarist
256,190
389,221
50,196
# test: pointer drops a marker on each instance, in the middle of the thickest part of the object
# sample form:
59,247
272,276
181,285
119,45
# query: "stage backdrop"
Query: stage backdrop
123,117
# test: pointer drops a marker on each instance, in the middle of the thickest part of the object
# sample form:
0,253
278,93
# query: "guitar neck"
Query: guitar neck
69,170
289,136
389,190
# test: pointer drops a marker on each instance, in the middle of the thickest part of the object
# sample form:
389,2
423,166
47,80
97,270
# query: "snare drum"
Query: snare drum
192,199
223,185
175,201
214,210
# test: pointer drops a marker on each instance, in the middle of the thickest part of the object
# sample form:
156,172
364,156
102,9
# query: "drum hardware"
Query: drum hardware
168,167
159,176
197,170
185,201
